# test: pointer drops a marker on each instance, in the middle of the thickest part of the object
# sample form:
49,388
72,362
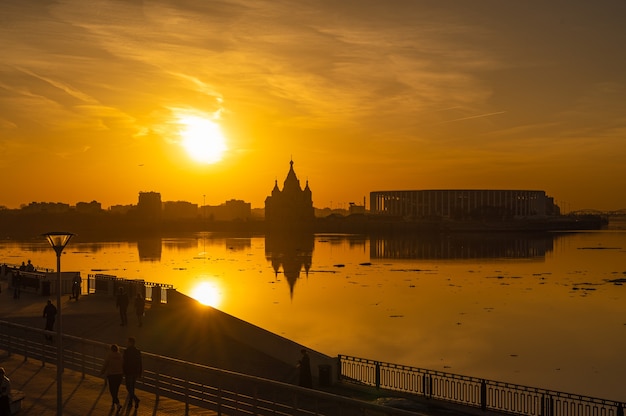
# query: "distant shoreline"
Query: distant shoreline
108,226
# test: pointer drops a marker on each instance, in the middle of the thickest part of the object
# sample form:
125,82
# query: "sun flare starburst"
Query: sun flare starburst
202,138
207,293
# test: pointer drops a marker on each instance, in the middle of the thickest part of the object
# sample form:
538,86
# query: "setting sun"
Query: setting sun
202,139
207,293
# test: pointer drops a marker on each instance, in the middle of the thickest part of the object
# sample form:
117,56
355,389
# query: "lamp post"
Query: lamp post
58,241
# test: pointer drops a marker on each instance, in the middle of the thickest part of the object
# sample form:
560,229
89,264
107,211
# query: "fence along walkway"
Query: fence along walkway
475,392
222,391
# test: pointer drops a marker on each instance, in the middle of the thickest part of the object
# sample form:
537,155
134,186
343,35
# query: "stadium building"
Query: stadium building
461,204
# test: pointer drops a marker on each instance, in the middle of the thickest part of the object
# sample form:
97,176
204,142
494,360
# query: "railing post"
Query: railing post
551,405
339,374
430,386
255,399
219,401
9,338
186,395
547,406
377,375
83,355
156,379
483,395
620,410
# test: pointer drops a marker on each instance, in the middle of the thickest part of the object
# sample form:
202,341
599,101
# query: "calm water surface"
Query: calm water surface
540,311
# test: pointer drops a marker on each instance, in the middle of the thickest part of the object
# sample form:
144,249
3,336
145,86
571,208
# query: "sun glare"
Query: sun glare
207,293
202,139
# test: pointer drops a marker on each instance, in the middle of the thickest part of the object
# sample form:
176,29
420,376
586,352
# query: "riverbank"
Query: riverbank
183,328
104,225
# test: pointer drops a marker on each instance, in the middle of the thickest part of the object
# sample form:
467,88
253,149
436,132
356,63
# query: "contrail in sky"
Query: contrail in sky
471,117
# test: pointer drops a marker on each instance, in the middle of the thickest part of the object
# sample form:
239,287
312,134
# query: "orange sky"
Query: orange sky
363,95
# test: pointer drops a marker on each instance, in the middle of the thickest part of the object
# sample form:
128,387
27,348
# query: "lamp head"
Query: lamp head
58,240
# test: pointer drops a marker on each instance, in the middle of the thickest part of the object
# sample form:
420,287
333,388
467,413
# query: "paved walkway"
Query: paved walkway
82,396
181,329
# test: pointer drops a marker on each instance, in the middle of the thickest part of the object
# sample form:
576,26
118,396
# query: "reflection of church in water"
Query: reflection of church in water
289,217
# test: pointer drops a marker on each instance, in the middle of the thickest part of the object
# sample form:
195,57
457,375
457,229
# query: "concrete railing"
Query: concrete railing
43,283
106,284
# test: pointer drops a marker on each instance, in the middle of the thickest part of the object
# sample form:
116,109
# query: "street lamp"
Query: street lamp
58,241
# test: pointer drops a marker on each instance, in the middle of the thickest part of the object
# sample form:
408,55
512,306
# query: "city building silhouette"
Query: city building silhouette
149,206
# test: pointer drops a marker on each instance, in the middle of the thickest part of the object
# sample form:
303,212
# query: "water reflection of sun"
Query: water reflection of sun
207,293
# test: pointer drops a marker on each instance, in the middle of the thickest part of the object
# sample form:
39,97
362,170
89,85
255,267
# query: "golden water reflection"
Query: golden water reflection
545,311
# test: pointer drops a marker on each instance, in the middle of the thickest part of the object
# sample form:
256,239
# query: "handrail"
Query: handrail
471,391
222,391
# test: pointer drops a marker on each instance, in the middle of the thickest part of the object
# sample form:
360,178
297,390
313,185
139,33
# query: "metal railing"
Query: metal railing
472,391
222,391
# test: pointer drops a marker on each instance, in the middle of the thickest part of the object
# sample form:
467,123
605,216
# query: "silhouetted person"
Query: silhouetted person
76,283
133,369
23,267
5,394
30,267
140,306
17,283
113,369
304,365
121,302
50,313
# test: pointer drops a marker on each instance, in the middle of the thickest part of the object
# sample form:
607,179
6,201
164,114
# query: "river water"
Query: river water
545,311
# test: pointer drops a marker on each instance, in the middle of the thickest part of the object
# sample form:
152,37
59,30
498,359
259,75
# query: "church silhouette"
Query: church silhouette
291,208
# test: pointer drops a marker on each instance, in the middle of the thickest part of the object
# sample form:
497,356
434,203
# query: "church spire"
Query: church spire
291,181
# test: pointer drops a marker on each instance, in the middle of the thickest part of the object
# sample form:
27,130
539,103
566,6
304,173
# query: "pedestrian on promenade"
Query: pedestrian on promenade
17,283
133,369
113,370
5,394
121,302
50,313
76,283
140,306
305,370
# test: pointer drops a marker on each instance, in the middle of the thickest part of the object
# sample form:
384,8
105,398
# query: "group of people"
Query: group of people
16,277
117,365
122,302
127,365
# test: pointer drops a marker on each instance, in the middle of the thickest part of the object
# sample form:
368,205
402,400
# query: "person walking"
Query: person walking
113,370
76,286
121,302
305,370
140,306
5,394
17,285
50,313
133,369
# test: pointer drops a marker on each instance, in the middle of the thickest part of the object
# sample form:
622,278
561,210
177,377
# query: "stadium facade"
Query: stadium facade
463,204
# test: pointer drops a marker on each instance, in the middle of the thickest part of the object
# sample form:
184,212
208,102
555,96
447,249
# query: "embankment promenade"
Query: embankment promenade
183,329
